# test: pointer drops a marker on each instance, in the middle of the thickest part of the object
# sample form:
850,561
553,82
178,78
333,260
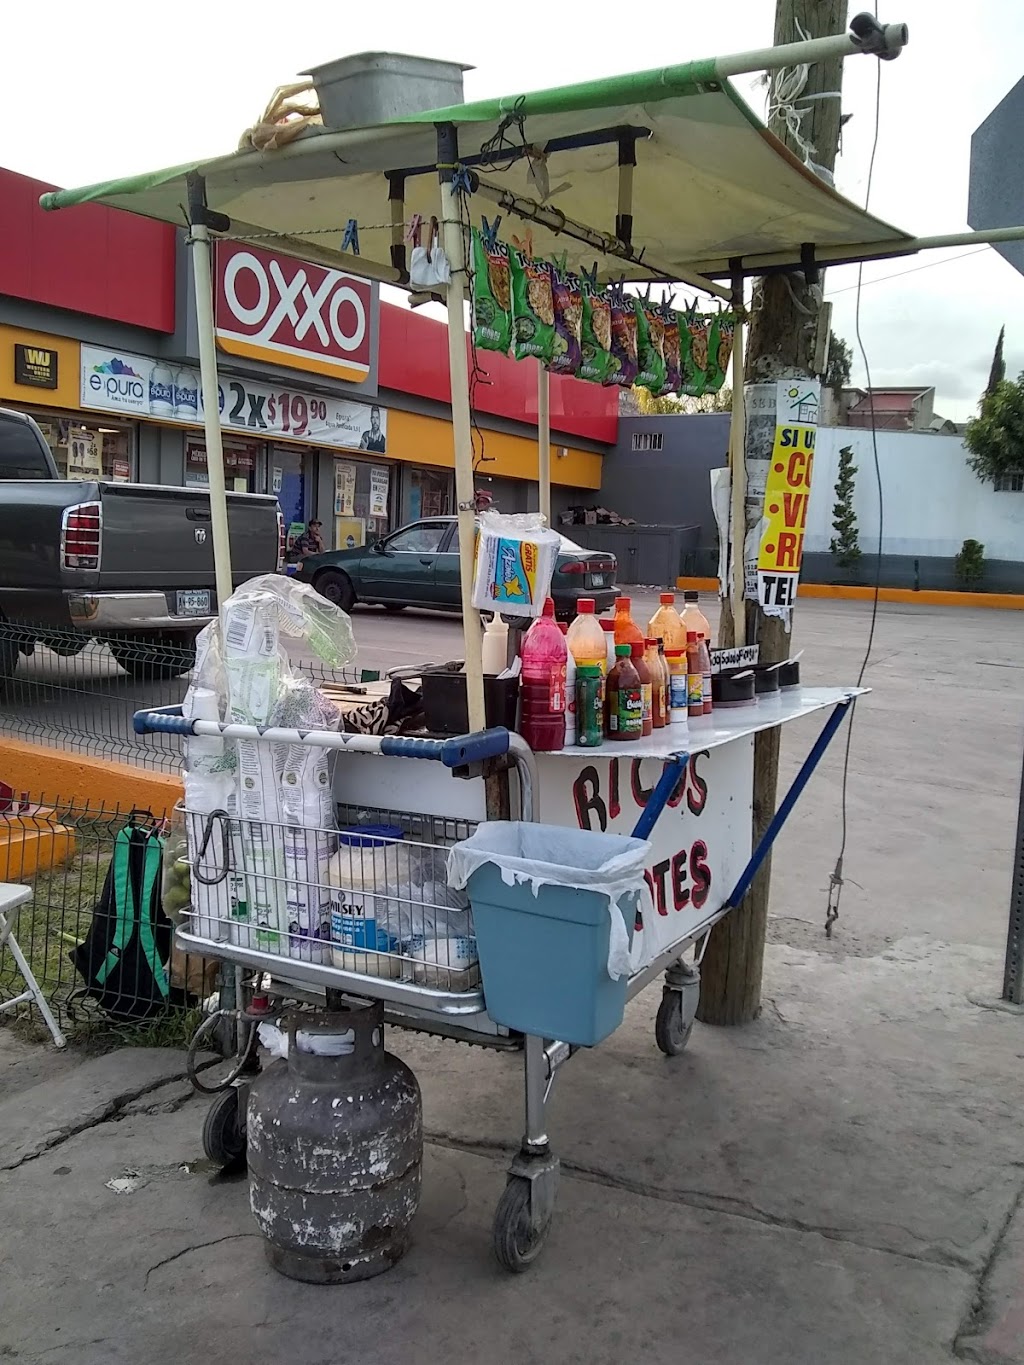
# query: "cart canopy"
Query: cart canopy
711,183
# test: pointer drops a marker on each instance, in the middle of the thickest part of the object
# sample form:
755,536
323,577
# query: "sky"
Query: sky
89,98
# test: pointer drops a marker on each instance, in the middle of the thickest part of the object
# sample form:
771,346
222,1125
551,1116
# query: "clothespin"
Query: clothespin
489,232
589,276
460,181
432,237
412,229
524,243
350,241
561,263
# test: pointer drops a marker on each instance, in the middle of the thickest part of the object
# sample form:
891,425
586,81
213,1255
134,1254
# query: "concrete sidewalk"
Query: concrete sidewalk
838,1182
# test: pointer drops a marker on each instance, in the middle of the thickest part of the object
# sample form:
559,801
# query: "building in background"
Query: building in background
892,409
331,400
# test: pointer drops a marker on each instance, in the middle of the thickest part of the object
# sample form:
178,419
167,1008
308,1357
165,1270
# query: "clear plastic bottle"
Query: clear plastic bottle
705,665
542,693
570,690
586,638
666,624
659,684
694,675
627,632
608,627
161,391
678,697
694,619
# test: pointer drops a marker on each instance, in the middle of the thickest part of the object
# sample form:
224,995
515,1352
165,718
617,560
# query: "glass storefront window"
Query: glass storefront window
241,463
426,493
363,498
93,449
289,482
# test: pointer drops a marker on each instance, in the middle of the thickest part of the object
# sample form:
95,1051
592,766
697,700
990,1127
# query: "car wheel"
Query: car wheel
335,587
151,659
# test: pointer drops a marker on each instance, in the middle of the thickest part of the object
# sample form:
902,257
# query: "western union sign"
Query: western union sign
35,366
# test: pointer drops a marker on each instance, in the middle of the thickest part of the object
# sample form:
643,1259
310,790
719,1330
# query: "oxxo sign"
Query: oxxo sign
291,312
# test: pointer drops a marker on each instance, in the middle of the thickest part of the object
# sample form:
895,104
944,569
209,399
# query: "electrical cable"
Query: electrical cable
897,274
836,879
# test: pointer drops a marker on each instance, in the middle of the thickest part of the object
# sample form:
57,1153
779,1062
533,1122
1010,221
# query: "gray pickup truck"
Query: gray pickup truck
127,564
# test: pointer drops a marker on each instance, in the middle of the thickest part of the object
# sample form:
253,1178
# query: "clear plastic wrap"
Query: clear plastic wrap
515,559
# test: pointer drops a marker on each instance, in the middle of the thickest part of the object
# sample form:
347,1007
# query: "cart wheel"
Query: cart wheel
223,1134
670,1033
516,1244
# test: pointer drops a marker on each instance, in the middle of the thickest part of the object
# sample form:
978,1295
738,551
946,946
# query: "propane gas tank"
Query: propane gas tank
335,1147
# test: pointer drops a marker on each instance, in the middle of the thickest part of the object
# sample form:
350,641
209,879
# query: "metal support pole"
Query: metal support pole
738,468
544,441
536,1073
455,247
202,270
1013,974
789,801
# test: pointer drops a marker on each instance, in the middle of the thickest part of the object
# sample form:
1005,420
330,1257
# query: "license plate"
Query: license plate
196,602
597,580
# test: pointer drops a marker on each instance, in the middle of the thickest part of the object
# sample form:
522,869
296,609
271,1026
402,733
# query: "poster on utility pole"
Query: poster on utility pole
778,489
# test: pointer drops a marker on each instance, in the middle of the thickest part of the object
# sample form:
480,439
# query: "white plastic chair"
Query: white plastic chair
12,898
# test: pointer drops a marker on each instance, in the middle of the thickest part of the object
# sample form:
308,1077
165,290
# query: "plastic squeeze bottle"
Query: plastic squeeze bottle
705,666
586,638
694,675
495,646
666,624
570,690
625,697
542,691
608,630
659,685
694,619
627,632
636,653
678,695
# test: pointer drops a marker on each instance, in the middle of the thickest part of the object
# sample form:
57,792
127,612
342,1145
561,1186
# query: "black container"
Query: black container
789,675
733,689
447,710
766,679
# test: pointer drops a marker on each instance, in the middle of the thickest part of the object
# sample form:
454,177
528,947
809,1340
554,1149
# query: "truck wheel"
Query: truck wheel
335,587
148,659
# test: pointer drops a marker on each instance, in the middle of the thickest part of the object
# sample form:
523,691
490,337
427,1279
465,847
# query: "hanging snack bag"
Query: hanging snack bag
694,355
624,357
568,301
650,347
533,308
596,358
673,374
720,351
492,295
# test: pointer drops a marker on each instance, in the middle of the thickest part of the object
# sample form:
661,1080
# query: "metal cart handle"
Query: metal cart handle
453,753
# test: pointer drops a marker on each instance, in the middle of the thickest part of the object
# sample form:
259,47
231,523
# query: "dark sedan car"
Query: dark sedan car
418,566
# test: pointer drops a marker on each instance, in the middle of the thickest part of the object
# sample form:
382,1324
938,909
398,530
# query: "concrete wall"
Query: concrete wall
933,502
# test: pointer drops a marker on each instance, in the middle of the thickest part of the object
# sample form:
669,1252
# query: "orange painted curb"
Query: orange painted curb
54,774
926,597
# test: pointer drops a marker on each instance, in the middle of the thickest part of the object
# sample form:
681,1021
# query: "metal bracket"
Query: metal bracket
541,1170
684,979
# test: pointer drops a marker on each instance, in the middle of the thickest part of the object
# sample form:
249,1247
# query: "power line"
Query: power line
976,251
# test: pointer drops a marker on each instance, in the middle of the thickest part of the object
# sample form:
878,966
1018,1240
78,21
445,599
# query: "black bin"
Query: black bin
447,710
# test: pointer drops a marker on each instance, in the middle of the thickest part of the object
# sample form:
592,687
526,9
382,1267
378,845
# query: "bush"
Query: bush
969,564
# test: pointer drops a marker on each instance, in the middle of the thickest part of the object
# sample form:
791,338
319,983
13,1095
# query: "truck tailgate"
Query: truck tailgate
163,537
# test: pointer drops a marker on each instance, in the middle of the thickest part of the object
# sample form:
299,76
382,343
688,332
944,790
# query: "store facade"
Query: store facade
329,400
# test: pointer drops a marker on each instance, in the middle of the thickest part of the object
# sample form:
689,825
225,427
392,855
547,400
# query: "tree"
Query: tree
643,403
781,345
997,373
837,371
995,438
845,545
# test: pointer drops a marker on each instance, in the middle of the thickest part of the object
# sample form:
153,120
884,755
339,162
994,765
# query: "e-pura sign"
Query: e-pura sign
787,492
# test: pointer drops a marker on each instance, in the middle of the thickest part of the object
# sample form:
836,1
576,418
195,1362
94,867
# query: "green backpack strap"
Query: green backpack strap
150,873
124,922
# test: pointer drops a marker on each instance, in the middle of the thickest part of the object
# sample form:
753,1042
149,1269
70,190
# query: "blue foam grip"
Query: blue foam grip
164,720
453,753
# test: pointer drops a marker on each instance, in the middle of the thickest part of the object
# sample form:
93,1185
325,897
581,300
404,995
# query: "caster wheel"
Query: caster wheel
516,1243
223,1134
670,1033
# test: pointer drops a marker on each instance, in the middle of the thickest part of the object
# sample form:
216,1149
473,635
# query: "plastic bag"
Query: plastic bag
492,295
611,865
515,559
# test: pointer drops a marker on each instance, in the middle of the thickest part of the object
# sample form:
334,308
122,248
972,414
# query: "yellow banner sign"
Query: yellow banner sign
787,494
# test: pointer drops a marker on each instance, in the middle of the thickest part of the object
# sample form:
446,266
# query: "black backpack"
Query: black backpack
123,956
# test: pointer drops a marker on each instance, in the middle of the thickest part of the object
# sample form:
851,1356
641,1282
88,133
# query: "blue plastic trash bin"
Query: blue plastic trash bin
544,947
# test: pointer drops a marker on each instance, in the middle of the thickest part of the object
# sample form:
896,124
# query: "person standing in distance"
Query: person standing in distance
311,542
374,438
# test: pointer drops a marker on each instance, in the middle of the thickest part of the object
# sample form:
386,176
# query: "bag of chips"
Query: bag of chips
596,333
624,357
693,347
673,372
650,347
533,308
568,301
492,295
720,351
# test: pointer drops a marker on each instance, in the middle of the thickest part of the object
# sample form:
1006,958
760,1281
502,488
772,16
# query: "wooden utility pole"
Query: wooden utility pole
781,343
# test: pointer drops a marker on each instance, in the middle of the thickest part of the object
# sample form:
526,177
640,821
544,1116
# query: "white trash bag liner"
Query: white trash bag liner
611,865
